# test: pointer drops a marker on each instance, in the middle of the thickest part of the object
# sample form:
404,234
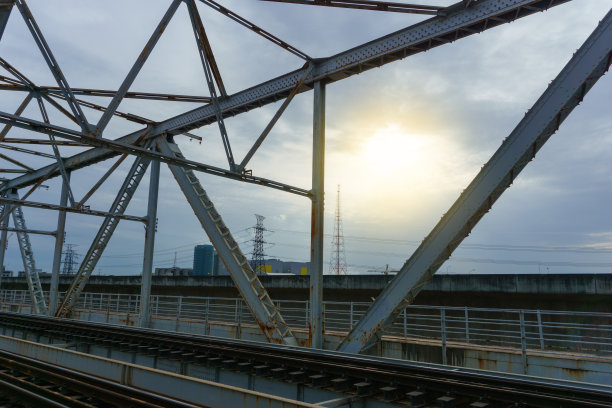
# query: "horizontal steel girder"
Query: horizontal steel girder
587,65
28,231
84,210
459,22
134,149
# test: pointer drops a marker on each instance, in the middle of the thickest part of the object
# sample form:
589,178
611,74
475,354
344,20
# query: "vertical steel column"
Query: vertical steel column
316,226
59,244
3,239
147,264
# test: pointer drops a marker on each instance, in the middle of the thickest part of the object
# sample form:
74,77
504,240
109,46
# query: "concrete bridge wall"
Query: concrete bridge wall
579,292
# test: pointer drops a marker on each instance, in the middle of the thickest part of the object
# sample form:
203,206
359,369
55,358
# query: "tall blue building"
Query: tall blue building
203,260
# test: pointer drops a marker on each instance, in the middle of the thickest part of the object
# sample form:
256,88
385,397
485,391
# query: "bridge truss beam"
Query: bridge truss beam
452,23
459,22
264,311
568,89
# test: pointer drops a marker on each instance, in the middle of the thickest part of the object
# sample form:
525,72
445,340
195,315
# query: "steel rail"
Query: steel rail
19,369
431,378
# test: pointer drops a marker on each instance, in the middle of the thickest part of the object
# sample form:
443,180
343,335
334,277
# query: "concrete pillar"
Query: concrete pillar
57,253
316,227
147,265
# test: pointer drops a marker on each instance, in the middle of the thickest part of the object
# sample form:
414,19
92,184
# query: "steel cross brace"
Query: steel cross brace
459,22
103,236
52,63
29,264
264,311
568,89
5,12
210,71
122,147
129,79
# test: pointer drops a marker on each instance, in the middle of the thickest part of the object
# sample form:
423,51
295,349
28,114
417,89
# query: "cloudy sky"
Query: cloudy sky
403,140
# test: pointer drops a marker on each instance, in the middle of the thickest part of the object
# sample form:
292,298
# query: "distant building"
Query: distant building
173,271
7,273
276,266
204,260
21,274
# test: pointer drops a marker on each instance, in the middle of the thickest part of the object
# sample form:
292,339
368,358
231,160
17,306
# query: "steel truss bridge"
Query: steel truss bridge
154,144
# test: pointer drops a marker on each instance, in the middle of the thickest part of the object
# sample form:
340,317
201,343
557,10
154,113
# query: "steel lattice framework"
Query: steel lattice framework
154,144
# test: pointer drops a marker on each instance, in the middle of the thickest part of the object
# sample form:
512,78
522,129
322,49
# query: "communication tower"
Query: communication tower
337,261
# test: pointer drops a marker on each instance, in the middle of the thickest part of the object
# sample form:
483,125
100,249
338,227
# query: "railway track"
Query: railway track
25,382
413,384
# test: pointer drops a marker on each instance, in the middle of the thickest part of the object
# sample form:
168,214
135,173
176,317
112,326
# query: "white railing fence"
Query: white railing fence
551,330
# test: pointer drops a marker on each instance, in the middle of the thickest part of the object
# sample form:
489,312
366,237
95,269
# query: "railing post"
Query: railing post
540,329
351,325
523,341
405,323
467,326
239,332
443,327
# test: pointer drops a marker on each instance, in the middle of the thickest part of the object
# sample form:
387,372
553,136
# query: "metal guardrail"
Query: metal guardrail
546,330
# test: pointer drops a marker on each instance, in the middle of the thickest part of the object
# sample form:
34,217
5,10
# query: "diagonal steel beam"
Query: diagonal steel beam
264,311
134,149
257,30
58,157
460,22
16,162
124,196
26,151
5,13
52,63
210,66
18,112
272,122
371,5
206,53
131,76
27,255
568,89
21,78
101,181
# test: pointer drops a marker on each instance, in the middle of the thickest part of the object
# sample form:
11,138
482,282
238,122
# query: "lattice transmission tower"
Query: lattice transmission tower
258,253
337,261
71,258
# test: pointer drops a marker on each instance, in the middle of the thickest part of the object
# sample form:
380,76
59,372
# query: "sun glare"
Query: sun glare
389,150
